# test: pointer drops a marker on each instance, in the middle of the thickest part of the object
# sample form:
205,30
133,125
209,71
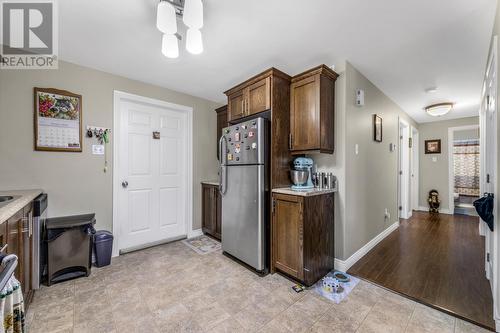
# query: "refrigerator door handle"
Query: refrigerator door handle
222,165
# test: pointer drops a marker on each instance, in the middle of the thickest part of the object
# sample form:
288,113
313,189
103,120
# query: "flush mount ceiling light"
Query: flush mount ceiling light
191,12
439,109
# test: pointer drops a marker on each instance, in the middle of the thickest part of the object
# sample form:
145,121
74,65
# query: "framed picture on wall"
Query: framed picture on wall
58,120
377,128
433,146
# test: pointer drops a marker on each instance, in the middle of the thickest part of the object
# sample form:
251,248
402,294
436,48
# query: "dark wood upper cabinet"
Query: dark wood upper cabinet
303,236
235,105
258,97
221,123
312,111
253,96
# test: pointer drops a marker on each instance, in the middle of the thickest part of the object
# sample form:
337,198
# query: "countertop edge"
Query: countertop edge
307,193
210,182
9,210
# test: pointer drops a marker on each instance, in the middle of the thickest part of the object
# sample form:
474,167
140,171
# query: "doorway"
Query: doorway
415,167
405,210
152,177
464,168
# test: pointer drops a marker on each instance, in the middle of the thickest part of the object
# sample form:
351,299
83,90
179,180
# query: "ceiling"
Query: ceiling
403,47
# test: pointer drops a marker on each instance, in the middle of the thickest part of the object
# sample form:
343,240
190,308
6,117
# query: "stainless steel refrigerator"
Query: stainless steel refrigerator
243,176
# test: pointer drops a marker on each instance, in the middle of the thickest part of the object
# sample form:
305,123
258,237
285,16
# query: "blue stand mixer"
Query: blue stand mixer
301,176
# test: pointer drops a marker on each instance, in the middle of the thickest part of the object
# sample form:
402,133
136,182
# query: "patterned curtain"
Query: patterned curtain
466,166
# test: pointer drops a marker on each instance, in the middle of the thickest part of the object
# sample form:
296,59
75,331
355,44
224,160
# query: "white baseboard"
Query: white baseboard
194,233
441,211
344,265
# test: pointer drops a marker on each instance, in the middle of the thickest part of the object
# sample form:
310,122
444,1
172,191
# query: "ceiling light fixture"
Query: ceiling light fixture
431,90
191,12
440,109
170,46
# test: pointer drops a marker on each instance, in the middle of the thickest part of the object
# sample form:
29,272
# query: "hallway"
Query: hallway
437,260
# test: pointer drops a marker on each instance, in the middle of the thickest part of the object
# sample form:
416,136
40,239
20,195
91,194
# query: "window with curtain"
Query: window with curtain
466,167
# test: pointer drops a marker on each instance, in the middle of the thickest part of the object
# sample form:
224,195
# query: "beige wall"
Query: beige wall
76,182
466,134
434,175
371,175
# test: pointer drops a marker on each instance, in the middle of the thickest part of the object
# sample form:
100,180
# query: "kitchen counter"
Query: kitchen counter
304,193
210,182
24,198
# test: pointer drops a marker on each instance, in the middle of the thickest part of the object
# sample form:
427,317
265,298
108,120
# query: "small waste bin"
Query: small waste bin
103,244
69,246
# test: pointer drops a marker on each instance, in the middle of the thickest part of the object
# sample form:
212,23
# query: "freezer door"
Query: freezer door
243,214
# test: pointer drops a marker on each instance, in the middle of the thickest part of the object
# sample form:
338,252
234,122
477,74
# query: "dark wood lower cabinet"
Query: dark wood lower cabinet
17,234
303,236
211,212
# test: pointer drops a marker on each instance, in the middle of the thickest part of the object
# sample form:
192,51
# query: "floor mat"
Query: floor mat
202,244
324,287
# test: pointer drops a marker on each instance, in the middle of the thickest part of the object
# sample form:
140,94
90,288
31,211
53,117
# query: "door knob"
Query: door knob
124,184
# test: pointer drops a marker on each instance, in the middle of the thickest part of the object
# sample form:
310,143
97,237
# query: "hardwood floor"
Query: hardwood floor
437,260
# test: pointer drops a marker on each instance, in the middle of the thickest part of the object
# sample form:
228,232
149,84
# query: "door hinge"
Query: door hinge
290,141
273,206
400,208
488,257
400,172
488,178
410,143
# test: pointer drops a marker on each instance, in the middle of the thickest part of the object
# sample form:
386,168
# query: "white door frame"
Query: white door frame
492,238
451,171
404,167
118,96
415,168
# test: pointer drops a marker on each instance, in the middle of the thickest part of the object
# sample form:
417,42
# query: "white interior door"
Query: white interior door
404,170
415,169
152,197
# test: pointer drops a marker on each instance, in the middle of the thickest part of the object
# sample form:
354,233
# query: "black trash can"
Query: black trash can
69,246
103,245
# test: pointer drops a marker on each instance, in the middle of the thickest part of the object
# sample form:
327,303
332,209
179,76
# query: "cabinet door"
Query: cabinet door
221,123
14,241
288,235
236,106
27,248
258,97
209,210
218,219
305,114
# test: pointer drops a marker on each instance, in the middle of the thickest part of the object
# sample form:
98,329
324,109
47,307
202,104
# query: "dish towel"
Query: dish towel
12,308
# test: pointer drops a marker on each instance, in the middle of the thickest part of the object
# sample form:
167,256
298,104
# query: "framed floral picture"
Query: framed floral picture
58,120
433,146
377,128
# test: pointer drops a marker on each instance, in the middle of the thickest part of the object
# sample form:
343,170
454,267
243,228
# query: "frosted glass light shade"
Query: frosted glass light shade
170,46
194,42
166,20
440,109
193,14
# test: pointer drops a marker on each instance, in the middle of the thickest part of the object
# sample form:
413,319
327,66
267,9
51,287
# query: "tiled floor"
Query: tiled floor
170,288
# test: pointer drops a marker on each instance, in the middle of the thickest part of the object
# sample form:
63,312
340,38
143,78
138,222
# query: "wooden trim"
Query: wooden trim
221,109
321,69
35,118
267,73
